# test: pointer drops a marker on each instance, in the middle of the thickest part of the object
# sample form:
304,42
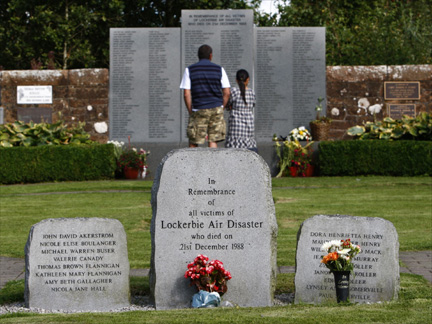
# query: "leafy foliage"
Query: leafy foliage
56,163
31,134
419,128
76,33
361,32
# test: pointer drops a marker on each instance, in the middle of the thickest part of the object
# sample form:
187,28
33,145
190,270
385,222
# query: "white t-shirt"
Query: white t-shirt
186,83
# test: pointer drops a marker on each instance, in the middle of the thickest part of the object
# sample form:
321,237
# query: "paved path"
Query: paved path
412,262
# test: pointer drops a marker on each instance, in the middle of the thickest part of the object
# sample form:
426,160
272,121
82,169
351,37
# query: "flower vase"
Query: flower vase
293,171
131,173
310,171
341,279
142,173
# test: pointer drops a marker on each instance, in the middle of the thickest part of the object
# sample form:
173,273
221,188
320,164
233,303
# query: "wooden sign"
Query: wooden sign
400,90
396,111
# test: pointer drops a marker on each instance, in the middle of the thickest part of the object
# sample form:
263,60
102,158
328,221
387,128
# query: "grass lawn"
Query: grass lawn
405,201
413,306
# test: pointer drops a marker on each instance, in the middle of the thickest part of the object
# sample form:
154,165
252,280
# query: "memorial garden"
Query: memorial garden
107,217
405,201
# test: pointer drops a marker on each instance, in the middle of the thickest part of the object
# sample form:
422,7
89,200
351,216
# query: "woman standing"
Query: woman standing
241,127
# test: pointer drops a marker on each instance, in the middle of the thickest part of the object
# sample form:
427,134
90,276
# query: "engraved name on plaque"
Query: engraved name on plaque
289,78
144,78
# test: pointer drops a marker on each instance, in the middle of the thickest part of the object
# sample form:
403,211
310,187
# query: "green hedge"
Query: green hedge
56,163
392,158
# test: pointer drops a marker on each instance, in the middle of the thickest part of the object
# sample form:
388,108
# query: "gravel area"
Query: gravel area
138,303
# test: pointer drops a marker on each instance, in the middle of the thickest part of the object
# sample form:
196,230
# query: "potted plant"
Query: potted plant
210,278
321,125
130,162
294,158
339,262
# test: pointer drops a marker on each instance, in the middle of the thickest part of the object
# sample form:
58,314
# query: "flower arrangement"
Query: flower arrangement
130,157
300,134
208,276
293,154
118,148
340,255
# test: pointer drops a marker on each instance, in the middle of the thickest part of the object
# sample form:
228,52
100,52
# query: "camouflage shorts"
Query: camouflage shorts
205,122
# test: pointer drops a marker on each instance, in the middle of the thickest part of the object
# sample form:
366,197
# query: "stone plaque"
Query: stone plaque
230,34
36,115
376,268
397,111
399,90
77,264
216,202
290,74
34,95
144,79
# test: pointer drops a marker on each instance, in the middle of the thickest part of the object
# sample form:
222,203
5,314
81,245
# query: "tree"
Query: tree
76,32
367,32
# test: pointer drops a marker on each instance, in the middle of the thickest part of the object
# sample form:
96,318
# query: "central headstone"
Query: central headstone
216,202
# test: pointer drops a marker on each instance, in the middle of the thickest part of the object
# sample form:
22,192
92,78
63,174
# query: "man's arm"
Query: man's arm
188,99
226,94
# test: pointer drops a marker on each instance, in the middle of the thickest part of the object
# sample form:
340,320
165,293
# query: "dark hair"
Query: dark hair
204,52
241,77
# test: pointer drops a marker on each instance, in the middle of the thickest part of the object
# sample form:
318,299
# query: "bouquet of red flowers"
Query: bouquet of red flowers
209,276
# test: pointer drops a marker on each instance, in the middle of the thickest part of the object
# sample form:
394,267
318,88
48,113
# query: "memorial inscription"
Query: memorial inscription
209,209
34,95
376,268
399,90
36,115
397,111
272,82
144,78
289,77
77,264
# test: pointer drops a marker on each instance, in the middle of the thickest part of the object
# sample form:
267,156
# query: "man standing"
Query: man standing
206,93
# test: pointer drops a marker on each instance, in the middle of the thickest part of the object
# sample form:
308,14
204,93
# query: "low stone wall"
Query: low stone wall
79,95
349,88
82,95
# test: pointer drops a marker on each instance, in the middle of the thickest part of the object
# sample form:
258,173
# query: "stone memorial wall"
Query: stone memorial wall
376,268
77,264
144,80
286,65
289,77
217,203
